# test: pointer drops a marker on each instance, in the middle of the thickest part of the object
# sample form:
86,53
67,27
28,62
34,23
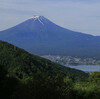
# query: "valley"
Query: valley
72,60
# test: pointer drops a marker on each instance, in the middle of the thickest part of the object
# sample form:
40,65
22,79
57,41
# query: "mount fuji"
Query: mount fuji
40,36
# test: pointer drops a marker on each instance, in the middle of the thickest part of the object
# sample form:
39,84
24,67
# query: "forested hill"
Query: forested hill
22,64
27,76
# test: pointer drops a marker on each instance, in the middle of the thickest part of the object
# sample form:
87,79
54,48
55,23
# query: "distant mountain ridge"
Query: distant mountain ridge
40,36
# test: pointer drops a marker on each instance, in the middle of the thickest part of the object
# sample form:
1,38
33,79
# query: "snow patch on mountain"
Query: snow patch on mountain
34,17
39,18
40,21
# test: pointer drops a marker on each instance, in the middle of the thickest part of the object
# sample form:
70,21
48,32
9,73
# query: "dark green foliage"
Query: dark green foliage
95,77
11,87
49,88
43,87
90,89
26,76
38,87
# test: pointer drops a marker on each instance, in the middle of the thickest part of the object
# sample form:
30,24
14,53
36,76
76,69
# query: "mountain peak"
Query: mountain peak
35,17
40,19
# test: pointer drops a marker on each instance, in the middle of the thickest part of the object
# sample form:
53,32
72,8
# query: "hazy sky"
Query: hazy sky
77,15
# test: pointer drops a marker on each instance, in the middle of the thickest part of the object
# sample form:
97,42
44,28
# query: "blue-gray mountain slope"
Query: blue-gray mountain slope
40,36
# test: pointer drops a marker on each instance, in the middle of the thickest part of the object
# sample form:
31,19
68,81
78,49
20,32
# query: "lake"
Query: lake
86,68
